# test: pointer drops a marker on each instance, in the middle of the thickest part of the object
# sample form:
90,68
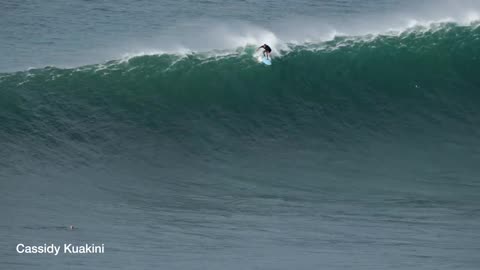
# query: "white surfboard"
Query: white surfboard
266,61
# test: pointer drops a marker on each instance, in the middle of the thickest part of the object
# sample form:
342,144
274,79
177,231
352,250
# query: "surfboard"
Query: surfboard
266,61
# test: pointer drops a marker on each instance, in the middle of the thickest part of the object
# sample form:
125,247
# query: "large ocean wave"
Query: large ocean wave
420,82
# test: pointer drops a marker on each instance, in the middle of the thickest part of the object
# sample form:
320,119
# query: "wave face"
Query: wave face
420,85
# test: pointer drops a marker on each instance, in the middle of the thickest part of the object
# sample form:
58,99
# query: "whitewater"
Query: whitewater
99,32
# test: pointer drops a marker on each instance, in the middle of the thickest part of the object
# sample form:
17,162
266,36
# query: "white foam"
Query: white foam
212,38
225,39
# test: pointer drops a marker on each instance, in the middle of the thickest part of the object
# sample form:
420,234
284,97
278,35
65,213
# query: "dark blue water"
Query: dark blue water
151,127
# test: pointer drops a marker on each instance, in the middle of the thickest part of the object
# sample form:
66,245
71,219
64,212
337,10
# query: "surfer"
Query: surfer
266,50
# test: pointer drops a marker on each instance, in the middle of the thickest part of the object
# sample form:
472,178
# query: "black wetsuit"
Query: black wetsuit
267,48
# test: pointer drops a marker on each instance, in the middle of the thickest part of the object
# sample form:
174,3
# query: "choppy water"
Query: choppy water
153,129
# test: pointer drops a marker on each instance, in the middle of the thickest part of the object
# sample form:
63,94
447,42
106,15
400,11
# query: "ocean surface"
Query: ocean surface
152,128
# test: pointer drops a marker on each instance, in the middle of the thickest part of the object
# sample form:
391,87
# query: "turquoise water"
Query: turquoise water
153,129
